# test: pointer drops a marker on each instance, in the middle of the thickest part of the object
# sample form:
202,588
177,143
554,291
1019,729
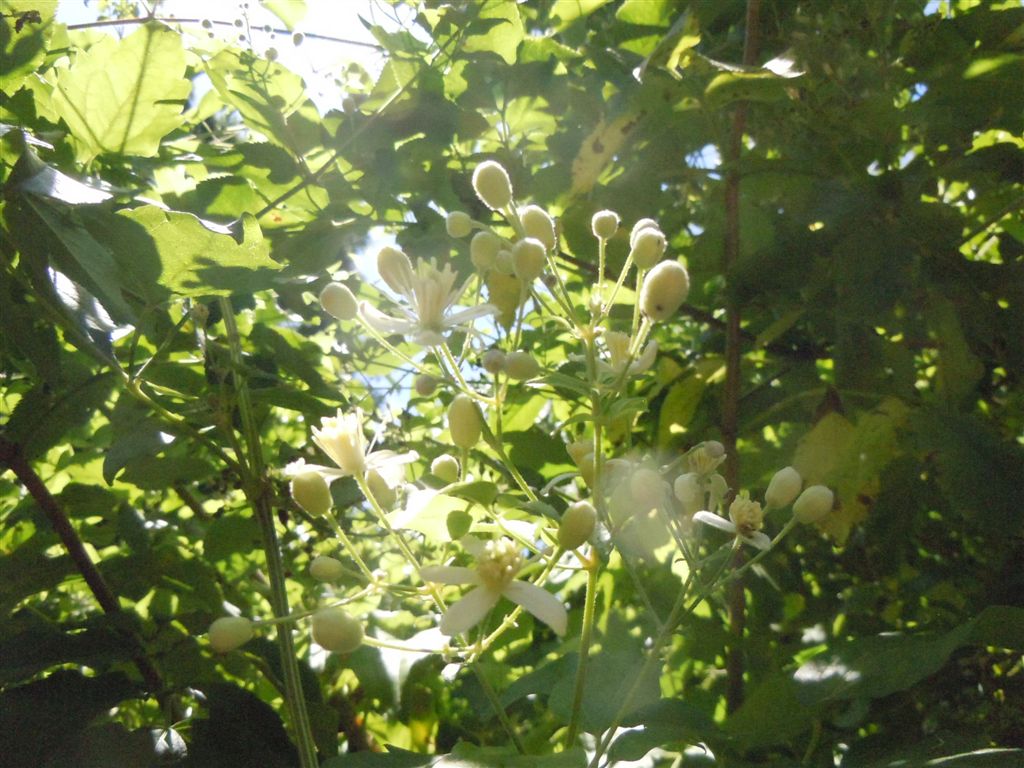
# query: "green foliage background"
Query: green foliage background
881,284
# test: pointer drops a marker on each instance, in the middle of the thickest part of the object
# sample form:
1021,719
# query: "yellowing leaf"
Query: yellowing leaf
124,96
597,152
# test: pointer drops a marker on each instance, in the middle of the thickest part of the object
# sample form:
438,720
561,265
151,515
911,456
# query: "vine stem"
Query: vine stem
586,635
736,599
257,490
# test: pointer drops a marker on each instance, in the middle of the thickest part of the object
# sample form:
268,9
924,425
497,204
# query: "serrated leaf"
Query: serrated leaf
503,37
124,96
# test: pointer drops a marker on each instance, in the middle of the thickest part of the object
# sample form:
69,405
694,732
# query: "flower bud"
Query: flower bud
538,225
647,488
528,257
493,361
783,488
577,525
492,185
464,422
690,492
814,504
425,385
504,263
483,250
445,467
664,290
578,449
395,269
338,301
604,224
458,224
639,227
336,631
648,248
714,449
324,568
230,632
587,466
385,495
312,493
520,365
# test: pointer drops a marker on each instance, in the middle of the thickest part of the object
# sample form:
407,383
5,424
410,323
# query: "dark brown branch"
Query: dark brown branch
11,456
733,358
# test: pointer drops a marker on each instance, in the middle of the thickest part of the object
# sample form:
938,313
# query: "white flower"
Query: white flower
341,438
745,523
618,345
430,292
494,577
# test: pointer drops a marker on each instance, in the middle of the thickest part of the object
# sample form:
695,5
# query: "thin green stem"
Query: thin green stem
586,636
499,708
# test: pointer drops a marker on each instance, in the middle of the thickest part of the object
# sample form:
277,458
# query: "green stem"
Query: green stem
257,490
581,668
499,710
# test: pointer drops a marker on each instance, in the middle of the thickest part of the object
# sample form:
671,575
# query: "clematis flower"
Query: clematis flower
498,562
618,345
341,438
431,294
745,521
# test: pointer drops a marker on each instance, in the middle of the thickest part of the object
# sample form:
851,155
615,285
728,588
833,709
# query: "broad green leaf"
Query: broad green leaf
664,722
124,96
645,12
958,370
504,36
290,12
597,151
43,417
235,727
772,713
25,28
569,11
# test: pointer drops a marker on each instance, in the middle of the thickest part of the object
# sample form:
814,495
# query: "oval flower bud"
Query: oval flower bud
425,385
641,225
528,257
647,488
520,365
338,301
483,250
464,422
324,568
395,269
312,493
604,224
445,467
538,225
690,492
664,290
783,488
504,263
492,185
577,525
493,361
336,631
648,248
458,224
385,495
814,504
230,632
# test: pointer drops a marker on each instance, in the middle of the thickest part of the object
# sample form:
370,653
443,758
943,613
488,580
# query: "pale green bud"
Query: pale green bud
312,493
385,495
464,422
814,504
445,467
338,301
458,224
483,250
521,365
604,224
425,385
324,568
648,248
690,492
639,227
229,632
493,361
664,290
504,263
783,488
528,258
538,225
395,269
577,525
492,185
334,630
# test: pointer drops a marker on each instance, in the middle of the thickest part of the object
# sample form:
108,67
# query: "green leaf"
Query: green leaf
43,418
239,729
290,12
772,713
503,37
646,12
124,96
664,722
729,87
25,28
480,491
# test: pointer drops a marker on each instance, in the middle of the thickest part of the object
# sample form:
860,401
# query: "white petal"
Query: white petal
469,611
449,574
758,539
300,467
540,603
646,359
428,339
390,465
715,521
385,323
465,315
